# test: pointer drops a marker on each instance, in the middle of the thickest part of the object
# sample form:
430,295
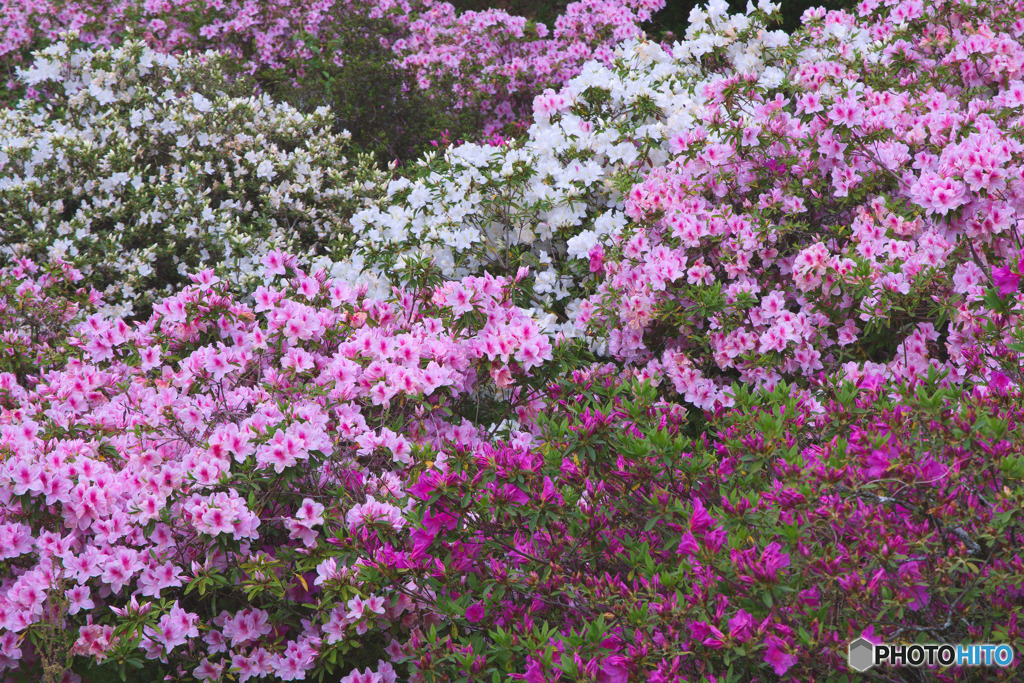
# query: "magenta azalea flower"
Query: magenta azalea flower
777,657
1006,280
475,612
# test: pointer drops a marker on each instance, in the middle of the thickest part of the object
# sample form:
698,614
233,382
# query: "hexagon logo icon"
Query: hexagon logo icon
861,654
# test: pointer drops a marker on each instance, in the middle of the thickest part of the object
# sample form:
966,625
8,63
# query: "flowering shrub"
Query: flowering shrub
488,60
792,416
505,59
768,207
555,200
140,170
844,235
622,548
251,457
37,308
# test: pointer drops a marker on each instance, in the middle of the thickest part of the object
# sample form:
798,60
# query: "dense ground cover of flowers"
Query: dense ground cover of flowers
486,60
714,369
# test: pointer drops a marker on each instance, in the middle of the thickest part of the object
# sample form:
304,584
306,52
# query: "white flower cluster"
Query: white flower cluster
139,168
550,199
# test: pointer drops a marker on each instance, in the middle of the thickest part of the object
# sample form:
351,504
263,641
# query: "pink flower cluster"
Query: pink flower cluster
865,224
142,465
36,307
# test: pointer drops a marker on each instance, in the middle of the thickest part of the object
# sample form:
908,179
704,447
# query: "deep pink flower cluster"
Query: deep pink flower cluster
806,535
621,543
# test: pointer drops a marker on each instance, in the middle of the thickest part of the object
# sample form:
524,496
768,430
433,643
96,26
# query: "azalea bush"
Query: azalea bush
715,369
38,308
620,547
354,72
142,168
217,476
558,198
488,62
769,207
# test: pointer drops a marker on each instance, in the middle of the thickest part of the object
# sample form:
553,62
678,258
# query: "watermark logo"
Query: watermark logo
862,654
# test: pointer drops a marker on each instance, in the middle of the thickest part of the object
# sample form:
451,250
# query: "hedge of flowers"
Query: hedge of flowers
715,369
488,60
142,169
